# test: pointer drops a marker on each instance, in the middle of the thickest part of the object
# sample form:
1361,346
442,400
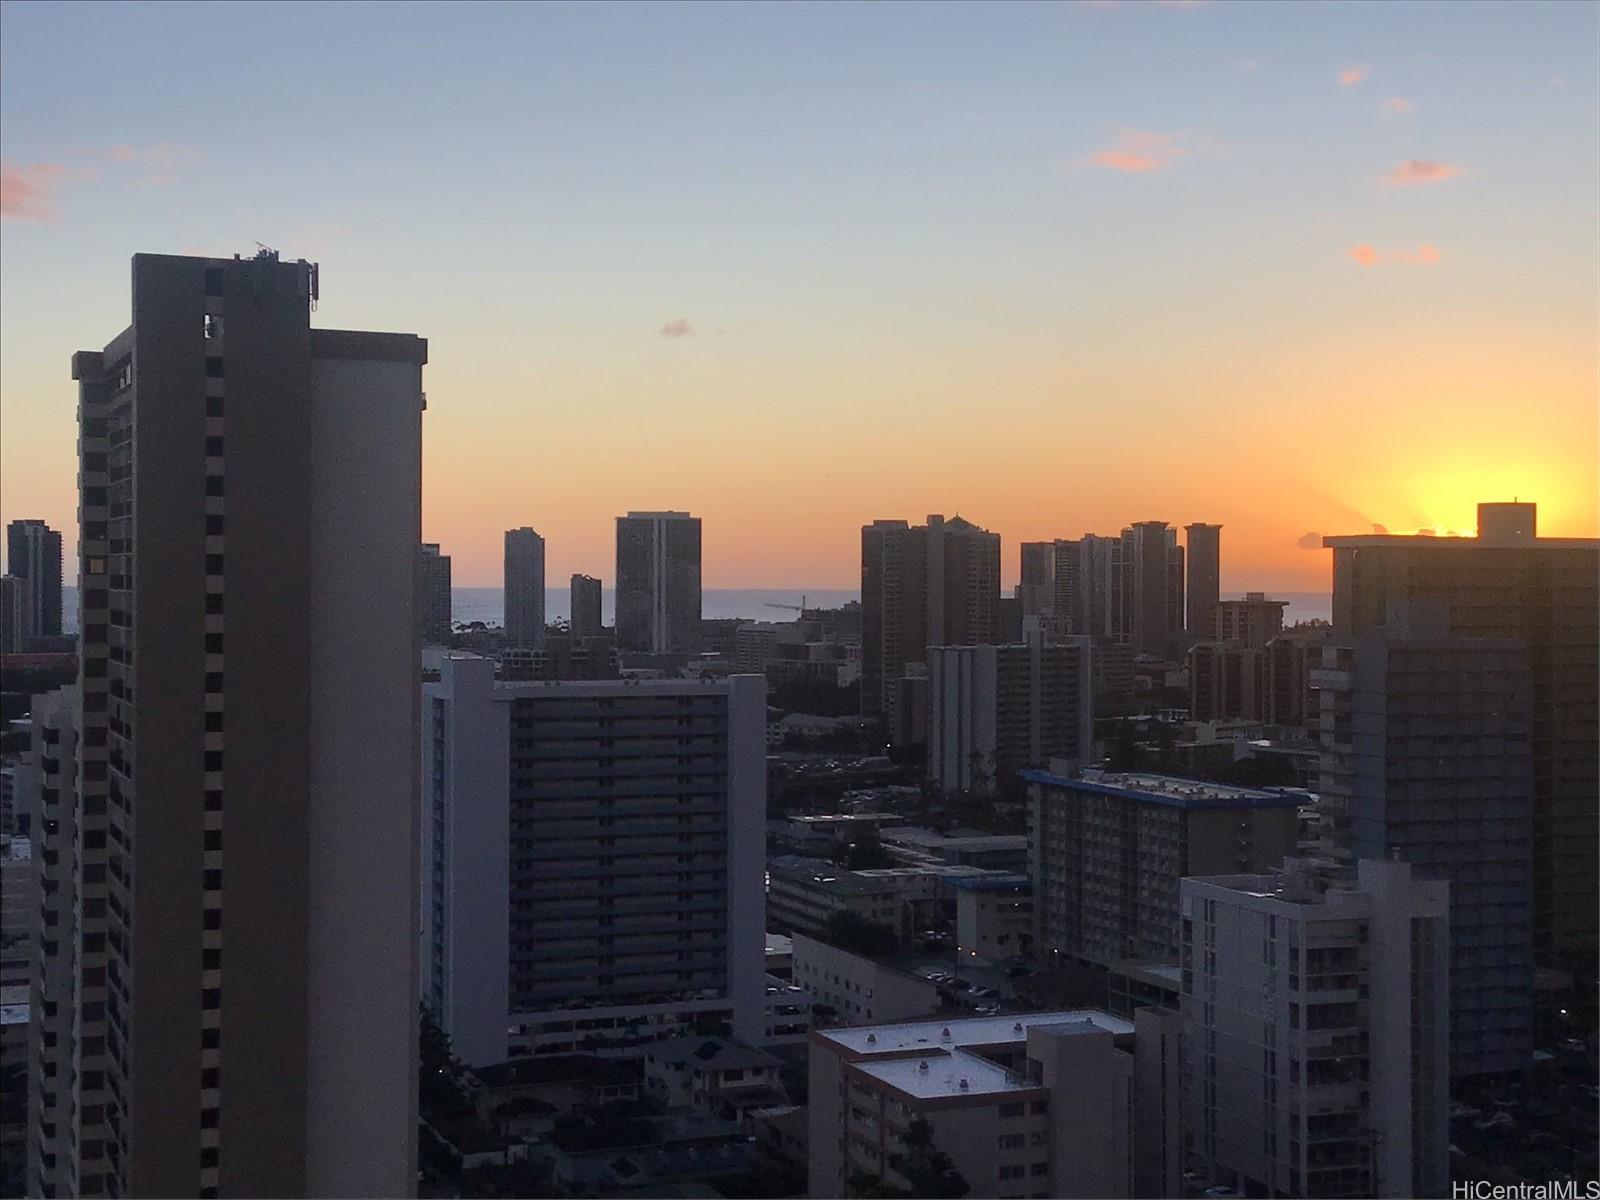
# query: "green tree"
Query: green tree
860,935
930,1171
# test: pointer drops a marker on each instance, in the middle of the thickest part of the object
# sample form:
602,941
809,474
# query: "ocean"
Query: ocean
487,604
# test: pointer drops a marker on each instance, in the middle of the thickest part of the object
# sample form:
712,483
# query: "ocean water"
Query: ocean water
753,604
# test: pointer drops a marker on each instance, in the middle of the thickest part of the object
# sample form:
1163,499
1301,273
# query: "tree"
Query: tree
439,1071
930,1171
866,854
851,931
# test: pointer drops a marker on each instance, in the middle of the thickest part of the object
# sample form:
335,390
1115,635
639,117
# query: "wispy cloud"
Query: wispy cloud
1398,105
680,327
1415,171
1140,151
28,190
1309,541
1350,76
157,163
1365,255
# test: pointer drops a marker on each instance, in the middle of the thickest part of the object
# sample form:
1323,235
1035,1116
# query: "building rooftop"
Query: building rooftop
932,839
555,1069
999,881
945,1073
1164,789
936,1033
710,1054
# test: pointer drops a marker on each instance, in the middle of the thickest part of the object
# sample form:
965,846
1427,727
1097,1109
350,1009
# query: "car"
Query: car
1576,1045
1222,1193
987,1010
983,993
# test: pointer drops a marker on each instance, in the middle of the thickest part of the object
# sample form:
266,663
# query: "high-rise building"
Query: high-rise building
658,582
1509,583
1226,682
50,795
1204,545
1290,658
1150,588
33,552
1036,583
1076,1103
16,615
1255,620
1085,586
586,621
1426,756
1107,851
993,710
433,595
926,585
594,855
524,589
244,836
1316,1031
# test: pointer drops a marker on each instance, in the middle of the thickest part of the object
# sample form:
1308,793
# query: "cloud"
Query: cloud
1415,171
1398,105
1424,255
1350,76
1558,81
679,328
1139,151
27,190
1310,541
1379,529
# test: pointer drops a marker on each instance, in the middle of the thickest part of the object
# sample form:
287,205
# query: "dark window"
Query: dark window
214,525
213,646
213,801
213,681
213,839
213,760
213,721
213,406
208,1156
213,603
211,959
211,918
213,485
210,1039
212,881
211,998
211,1077
208,1120
213,366
213,564
214,447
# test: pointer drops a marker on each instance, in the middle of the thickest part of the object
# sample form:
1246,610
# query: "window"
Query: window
213,722
213,564
212,880
213,839
213,760
212,326
211,918
1012,1110
213,406
213,681
214,525
213,486
213,802
210,1039
1012,1141
213,367
211,998
211,1077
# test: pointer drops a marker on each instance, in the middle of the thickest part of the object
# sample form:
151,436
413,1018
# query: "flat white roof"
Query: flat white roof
957,1074
969,1031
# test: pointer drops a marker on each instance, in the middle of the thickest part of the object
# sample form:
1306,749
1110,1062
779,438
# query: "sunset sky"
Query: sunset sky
1056,267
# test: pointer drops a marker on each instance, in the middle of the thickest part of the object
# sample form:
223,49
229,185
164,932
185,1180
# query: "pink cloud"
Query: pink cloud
1398,105
1414,172
1350,76
1139,151
27,190
682,327
1424,255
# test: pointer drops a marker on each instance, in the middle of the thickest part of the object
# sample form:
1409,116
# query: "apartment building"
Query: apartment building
1316,1030
524,588
592,854
1109,850
856,989
1254,621
434,617
586,596
1510,583
993,710
1054,1104
33,553
1427,754
249,500
1203,544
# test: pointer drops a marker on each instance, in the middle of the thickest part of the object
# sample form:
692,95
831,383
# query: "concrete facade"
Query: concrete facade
1316,1031
434,618
593,858
1109,850
33,553
858,989
1510,583
1203,544
251,692
586,619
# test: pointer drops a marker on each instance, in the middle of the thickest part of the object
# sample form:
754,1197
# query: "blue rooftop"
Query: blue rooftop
1166,790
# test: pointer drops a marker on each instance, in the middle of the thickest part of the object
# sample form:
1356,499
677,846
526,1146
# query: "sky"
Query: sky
1293,268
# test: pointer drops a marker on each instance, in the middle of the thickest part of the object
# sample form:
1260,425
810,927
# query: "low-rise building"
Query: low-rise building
859,990
929,847
716,1076
994,918
1056,1104
803,893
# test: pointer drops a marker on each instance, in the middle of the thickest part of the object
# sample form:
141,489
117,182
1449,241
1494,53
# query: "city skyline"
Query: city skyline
1171,259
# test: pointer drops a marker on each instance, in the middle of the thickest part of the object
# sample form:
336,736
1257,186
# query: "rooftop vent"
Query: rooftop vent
872,1039
922,1067
963,1085
1017,1027
944,1034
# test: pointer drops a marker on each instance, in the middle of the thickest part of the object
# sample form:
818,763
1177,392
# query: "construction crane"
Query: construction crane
799,608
